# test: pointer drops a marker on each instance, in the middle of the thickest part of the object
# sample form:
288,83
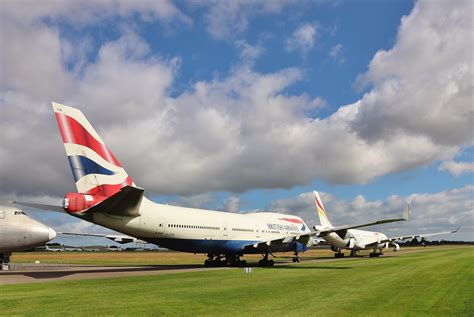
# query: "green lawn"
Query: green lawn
437,282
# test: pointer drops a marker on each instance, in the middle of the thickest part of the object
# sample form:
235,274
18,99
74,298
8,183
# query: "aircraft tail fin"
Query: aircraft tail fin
323,218
95,169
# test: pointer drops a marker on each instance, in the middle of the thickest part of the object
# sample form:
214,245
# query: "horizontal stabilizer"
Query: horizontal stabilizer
40,206
122,239
125,202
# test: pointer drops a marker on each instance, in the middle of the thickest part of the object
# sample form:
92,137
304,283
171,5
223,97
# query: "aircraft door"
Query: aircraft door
160,228
225,229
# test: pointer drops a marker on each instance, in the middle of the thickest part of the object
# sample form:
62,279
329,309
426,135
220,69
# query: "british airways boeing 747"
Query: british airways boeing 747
107,196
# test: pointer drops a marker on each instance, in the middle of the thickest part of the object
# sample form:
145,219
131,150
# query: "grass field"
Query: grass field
435,282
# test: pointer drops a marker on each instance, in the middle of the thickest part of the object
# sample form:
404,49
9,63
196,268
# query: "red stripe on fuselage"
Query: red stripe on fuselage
291,220
73,132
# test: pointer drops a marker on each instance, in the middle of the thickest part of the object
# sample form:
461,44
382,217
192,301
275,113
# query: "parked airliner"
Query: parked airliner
19,232
107,196
341,237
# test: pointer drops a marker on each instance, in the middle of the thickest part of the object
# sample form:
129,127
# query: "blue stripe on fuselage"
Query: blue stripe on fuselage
81,166
201,246
219,246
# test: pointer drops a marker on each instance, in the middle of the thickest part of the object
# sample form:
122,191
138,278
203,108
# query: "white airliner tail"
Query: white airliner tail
323,218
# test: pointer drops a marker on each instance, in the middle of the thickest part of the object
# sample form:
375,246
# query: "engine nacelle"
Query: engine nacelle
75,202
351,243
396,247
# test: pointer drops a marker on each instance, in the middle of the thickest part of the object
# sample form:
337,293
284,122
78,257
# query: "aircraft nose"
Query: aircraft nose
52,233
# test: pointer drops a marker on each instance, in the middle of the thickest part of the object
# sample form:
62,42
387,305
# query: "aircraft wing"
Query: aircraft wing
413,236
325,231
268,245
116,238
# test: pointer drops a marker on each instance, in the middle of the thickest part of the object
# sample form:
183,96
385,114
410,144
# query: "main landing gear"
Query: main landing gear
265,261
375,254
338,251
219,260
296,258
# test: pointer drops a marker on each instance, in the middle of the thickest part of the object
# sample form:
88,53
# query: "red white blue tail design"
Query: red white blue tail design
95,169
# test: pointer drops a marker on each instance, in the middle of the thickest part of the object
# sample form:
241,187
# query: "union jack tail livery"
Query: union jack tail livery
323,218
95,169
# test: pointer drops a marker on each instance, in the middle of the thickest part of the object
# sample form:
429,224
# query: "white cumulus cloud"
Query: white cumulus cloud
457,168
336,53
239,131
303,38
434,212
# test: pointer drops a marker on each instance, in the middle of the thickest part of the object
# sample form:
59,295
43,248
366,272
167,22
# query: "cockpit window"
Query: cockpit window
18,212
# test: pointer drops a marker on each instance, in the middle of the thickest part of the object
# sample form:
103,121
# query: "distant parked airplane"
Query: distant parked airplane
107,196
19,232
344,237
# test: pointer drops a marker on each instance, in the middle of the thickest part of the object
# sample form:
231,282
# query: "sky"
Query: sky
249,105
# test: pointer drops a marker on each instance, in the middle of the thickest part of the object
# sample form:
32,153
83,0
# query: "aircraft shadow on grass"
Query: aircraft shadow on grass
48,274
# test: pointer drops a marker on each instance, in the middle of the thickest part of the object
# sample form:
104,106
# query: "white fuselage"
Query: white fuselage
19,232
361,239
205,231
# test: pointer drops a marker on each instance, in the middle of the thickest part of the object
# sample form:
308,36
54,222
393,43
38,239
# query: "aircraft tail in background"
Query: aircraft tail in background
323,218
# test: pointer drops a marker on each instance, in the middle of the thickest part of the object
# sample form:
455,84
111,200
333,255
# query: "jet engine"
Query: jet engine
351,243
396,247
